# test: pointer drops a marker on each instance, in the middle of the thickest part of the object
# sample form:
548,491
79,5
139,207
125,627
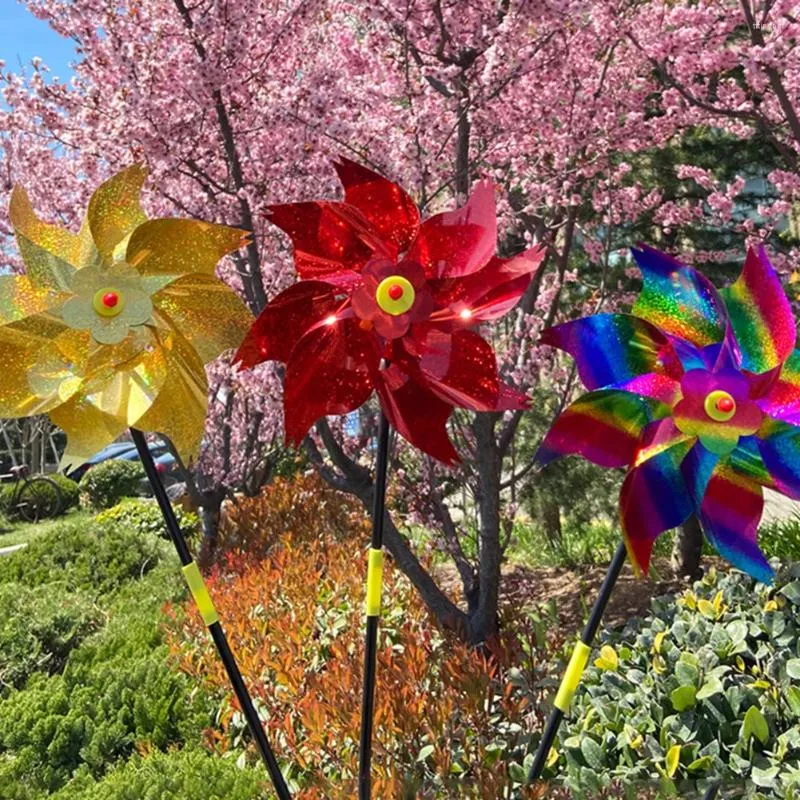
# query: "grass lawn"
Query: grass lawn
16,532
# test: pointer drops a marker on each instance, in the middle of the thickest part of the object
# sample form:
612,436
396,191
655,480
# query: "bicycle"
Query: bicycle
33,499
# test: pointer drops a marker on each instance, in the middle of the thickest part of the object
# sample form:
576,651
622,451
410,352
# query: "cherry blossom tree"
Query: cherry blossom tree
569,107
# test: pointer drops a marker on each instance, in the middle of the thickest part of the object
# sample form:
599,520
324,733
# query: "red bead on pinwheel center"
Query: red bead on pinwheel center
395,291
395,295
110,299
108,302
720,406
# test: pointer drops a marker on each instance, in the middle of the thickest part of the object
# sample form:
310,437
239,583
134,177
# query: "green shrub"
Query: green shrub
83,557
39,627
706,687
70,491
144,516
781,539
106,484
178,775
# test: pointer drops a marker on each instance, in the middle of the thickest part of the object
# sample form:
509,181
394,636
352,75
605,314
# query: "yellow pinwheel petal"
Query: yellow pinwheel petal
114,210
175,247
88,430
208,313
51,253
19,298
179,411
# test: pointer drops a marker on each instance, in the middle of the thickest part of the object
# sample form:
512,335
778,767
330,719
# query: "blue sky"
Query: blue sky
23,36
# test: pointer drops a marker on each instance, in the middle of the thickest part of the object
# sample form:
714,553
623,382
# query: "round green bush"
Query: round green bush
106,484
70,491
706,688
144,516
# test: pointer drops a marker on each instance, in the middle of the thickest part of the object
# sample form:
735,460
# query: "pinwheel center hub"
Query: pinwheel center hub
395,295
108,302
720,406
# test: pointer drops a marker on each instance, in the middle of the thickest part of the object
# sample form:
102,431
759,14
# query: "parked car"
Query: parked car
126,451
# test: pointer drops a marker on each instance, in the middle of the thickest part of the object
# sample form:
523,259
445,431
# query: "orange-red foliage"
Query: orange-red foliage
295,621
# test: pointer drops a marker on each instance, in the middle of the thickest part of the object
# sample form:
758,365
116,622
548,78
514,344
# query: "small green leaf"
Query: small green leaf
712,686
755,725
425,752
683,698
673,758
592,752
608,658
793,668
792,592
700,764
793,699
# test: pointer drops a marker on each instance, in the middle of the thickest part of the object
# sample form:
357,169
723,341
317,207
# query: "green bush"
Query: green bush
181,775
39,627
145,517
83,557
781,539
707,687
106,484
70,491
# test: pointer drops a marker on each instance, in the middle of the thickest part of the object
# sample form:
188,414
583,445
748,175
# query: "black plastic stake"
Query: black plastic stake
197,586
577,664
373,612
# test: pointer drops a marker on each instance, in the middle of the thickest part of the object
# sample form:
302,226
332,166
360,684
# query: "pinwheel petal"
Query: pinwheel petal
782,399
206,312
420,417
678,299
171,248
284,321
19,298
328,372
51,253
392,213
654,497
614,348
780,450
460,242
603,426
329,238
489,293
460,368
179,409
760,314
747,460
114,210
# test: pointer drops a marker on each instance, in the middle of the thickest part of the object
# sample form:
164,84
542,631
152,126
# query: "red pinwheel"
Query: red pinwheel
387,303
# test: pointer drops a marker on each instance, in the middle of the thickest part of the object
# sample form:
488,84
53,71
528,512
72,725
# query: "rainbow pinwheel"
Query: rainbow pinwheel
112,327
697,393
386,303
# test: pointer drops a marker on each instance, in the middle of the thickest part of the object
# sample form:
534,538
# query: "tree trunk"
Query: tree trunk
686,550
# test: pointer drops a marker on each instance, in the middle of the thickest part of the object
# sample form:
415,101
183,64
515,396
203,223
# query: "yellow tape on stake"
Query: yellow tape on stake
572,677
197,586
374,582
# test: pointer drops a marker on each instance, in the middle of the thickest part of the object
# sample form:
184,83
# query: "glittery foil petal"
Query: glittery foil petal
51,253
78,313
138,308
603,427
179,409
419,416
781,453
653,497
19,397
612,348
206,312
460,242
284,321
114,209
181,246
328,372
678,299
782,399
19,298
110,331
489,293
746,459
393,214
760,314
329,238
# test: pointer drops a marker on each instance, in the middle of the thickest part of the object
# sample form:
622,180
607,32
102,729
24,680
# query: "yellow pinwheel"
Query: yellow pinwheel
112,327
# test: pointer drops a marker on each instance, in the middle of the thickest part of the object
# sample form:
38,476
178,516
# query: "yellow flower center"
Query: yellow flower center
108,302
720,406
395,295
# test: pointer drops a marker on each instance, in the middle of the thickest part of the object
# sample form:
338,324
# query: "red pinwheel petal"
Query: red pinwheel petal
603,426
284,321
328,237
760,314
461,368
420,417
654,497
458,243
328,372
390,210
489,293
